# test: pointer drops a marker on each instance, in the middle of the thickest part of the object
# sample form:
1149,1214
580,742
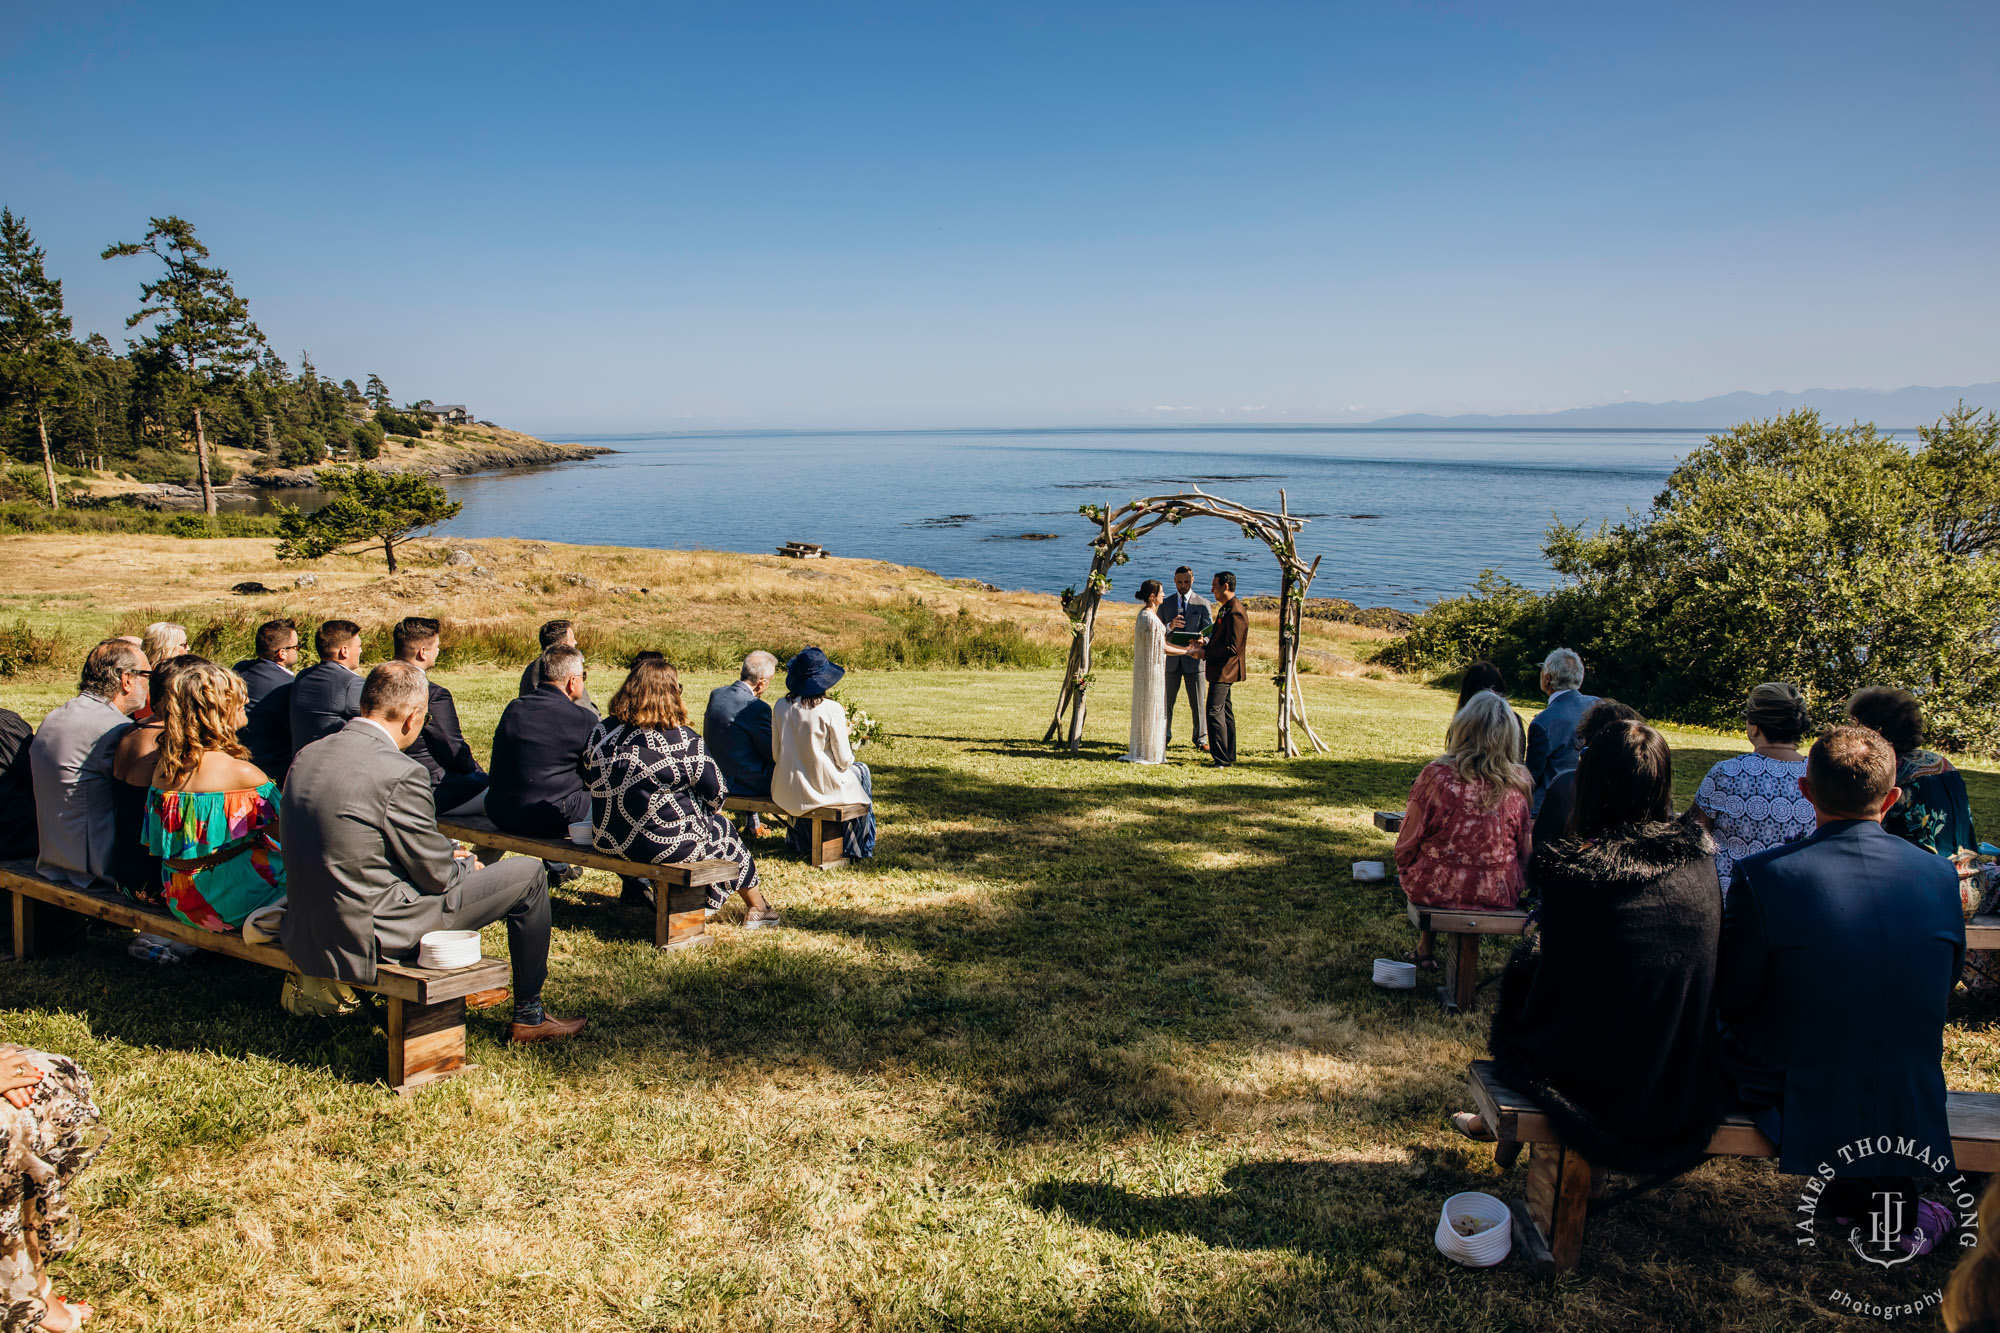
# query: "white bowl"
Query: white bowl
1393,974
443,950
1367,872
1482,1249
580,833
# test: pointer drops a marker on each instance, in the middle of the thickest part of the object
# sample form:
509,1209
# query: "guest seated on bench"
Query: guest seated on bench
1751,803
1552,820
555,634
813,763
371,874
1607,1016
327,693
70,759
161,640
268,733
536,788
1465,832
1839,955
17,788
736,728
458,783
656,792
134,866
211,814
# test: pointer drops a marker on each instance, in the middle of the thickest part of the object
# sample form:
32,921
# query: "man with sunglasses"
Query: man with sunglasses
70,764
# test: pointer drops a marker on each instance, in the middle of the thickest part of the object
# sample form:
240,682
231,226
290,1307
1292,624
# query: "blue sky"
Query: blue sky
628,217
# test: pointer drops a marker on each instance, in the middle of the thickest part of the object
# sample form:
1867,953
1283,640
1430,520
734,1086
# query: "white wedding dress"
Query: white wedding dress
1149,691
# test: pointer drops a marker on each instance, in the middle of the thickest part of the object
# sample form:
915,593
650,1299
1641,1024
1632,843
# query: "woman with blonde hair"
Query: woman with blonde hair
656,795
212,815
1466,831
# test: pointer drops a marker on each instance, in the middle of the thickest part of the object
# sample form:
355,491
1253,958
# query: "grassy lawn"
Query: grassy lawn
1086,1046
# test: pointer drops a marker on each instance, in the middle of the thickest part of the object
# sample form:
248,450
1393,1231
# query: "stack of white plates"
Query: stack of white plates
1367,872
1393,974
1488,1244
446,949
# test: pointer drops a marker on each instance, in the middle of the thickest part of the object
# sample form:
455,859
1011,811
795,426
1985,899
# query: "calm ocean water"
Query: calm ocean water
1401,517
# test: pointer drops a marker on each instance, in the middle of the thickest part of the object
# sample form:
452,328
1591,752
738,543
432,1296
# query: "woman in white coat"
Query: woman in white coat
815,764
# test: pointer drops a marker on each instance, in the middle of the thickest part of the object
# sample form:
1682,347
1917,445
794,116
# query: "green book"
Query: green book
1181,638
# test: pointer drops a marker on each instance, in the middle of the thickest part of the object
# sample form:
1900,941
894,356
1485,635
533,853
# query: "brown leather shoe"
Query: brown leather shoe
487,999
550,1028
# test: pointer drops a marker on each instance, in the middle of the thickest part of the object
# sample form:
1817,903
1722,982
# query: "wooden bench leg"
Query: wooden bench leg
426,1043
827,851
24,927
1548,1224
1460,960
680,916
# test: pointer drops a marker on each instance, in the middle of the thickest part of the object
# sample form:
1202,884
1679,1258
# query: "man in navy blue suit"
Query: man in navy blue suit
267,728
736,728
1552,735
1839,954
1186,610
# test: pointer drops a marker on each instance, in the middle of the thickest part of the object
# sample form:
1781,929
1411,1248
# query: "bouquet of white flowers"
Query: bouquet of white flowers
861,726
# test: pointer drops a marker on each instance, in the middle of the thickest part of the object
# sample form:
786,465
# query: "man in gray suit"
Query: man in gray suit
1552,735
70,764
368,873
1186,610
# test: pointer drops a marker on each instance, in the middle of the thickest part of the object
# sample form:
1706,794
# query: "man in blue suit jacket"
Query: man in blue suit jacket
1191,609
1839,954
267,730
1552,735
736,728
327,695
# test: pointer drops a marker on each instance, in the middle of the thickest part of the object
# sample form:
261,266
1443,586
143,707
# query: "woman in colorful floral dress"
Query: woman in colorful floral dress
49,1131
212,815
656,795
1467,830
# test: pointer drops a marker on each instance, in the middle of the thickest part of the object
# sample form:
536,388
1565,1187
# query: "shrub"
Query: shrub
368,440
189,525
29,517
402,423
1780,551
22,649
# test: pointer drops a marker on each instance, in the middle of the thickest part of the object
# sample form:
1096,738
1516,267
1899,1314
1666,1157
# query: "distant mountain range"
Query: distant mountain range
1891,409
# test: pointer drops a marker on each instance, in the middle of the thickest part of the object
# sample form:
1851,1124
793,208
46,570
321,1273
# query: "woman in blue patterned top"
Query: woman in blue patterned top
1753,801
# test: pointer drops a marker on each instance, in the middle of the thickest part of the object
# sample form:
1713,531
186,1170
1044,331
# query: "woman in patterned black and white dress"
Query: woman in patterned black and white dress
656,796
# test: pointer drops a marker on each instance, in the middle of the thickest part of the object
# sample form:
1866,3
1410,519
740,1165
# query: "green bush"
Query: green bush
22,516
402,423
189,525
368,438
1780,551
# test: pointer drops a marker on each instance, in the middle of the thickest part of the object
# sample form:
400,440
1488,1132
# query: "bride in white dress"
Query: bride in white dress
1150,651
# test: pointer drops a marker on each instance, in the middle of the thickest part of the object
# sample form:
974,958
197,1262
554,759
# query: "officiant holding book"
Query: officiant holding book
1186,615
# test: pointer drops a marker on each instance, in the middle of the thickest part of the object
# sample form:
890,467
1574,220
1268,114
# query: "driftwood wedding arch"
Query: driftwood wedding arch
1121,526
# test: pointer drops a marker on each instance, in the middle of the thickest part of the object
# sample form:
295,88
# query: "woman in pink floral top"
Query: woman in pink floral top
1467,830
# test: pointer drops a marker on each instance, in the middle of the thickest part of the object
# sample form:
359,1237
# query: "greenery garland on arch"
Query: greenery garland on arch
1118,527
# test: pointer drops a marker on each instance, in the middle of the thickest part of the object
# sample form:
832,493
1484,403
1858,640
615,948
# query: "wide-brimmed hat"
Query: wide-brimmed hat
811,674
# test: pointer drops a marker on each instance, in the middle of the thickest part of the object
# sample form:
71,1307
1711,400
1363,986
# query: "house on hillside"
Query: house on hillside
451,414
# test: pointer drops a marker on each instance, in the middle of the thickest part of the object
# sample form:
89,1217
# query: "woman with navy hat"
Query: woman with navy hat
816,766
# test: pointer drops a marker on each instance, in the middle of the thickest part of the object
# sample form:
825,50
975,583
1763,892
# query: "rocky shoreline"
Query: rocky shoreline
457,463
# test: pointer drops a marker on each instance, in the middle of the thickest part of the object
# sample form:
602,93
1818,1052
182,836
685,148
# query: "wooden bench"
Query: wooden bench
1548,1223
824,851
1459,934
802,551
1983,932
426,1019
680,892
1389,821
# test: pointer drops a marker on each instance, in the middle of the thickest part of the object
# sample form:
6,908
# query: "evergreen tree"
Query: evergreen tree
367,507
205,333
378,393
37,358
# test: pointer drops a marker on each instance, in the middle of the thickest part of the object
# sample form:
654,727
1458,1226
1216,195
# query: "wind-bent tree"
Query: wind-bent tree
367,508
378,394
206,333
37,358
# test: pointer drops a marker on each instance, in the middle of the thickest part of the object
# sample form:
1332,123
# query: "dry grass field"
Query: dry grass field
1086,1046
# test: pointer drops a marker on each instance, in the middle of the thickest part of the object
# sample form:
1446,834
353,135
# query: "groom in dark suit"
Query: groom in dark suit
1186,610
1222,659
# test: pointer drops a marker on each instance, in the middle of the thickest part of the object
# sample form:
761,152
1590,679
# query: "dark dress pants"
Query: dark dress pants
513,889
1187,671
1221,723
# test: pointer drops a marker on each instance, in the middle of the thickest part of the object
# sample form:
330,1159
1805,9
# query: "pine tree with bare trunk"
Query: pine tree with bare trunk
204,330
37,358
